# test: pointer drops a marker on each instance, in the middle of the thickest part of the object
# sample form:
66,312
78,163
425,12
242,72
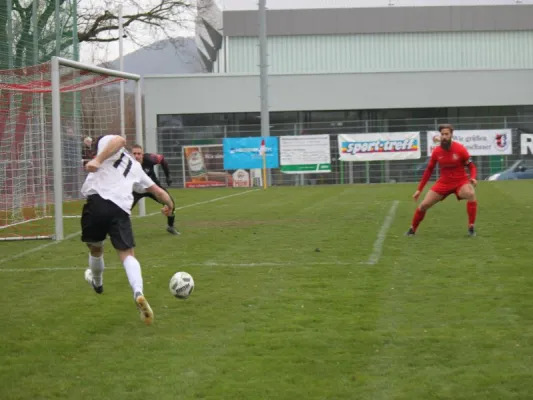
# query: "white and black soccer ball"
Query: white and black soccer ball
181,285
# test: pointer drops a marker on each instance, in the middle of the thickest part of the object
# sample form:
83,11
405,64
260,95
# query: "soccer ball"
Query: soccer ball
181,285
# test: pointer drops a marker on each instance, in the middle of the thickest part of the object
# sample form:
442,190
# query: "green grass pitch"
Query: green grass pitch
287,304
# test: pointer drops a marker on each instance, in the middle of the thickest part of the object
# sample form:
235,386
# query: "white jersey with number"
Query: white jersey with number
116,178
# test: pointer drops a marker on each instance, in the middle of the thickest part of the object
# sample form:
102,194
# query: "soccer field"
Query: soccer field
301,293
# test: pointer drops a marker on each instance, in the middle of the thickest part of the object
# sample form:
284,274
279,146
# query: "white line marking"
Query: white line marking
206,202
382,234
21,222
35,249
208,264
44,246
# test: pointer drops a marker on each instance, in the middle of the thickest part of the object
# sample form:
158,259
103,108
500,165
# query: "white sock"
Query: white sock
96,264
133,270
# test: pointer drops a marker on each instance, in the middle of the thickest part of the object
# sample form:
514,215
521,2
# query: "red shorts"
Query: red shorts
446,188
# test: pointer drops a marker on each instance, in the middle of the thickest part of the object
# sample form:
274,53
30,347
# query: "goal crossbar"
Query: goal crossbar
56,91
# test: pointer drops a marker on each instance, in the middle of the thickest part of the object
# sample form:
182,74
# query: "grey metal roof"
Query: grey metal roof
341,21
235,5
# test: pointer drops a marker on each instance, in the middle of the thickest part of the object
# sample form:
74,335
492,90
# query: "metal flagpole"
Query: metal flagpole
9,33
57,20
121,67
263,68
35,32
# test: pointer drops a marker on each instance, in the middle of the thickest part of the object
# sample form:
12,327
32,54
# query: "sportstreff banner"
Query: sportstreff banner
203,167
304,154
244,153
379,146
493,142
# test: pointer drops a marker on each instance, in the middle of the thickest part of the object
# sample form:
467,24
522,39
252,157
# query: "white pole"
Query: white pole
97,70
42,128
121,67
139,131
56,150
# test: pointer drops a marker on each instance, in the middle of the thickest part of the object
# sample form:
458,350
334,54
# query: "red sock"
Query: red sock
471,209
417,218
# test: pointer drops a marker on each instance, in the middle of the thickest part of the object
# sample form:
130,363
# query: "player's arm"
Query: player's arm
146,183
428,172
471,167
163,197
159,159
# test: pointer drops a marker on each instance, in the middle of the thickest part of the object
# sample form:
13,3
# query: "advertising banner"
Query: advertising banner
379,146
526,144
241,178
244,153
203,167
492,142
304,154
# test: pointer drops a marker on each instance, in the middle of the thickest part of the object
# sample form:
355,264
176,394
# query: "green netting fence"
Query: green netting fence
32,31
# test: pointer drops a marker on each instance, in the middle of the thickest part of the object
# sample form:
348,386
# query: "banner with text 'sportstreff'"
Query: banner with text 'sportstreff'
379,146
304,154
483,142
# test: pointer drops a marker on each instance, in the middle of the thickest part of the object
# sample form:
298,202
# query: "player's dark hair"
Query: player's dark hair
446,126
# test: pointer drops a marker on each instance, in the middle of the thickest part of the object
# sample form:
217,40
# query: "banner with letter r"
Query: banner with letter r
244,153
526,144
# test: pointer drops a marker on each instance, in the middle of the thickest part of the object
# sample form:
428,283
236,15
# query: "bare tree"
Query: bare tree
96,23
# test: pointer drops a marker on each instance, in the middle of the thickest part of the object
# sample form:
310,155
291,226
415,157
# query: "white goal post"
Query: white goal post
57,62
50,114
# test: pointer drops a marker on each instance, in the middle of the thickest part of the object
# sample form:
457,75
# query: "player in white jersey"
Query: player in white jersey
113,175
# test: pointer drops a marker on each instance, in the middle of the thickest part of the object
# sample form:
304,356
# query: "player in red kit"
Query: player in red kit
452,158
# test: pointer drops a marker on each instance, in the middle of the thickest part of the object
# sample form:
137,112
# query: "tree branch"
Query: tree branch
165,12
101,40
95,23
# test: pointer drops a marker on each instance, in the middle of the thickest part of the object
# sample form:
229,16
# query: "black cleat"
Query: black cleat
98,289
89,279
173,231
410,232
471,231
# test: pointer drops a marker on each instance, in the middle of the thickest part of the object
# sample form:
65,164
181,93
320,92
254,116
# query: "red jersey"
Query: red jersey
452,163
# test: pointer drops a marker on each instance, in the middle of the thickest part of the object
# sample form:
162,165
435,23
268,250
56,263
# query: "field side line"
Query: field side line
208,264
206,201
382,234
44,246
177,208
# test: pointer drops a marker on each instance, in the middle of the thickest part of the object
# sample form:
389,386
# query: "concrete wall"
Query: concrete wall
209,93
384,52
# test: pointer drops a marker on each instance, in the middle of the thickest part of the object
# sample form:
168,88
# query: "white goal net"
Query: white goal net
50,117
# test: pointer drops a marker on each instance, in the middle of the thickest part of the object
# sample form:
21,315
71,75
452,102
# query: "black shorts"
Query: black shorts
101,217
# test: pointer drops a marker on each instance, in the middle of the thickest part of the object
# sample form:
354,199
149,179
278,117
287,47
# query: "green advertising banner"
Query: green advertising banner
305,154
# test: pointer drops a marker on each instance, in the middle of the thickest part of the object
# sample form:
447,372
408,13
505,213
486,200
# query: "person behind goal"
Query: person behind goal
148,162
452,157
113,174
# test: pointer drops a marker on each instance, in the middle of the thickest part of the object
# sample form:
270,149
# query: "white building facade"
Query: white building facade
361,69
